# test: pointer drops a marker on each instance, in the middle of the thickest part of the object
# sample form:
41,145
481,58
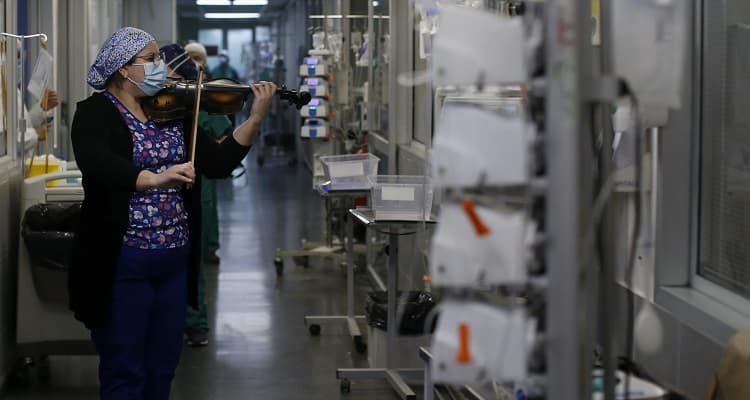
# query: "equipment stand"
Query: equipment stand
391,373
342,251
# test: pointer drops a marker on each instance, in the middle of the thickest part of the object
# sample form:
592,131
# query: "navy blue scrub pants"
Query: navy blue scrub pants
139,346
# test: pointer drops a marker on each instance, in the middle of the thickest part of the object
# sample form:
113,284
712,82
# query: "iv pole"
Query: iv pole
22,120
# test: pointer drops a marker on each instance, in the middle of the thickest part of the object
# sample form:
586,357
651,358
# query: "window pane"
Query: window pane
263,33
238,39
211,37
725,152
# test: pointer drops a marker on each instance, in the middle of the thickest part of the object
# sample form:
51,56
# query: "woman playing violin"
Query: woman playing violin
136,252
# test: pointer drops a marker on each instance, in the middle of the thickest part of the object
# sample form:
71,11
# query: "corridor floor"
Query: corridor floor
259,347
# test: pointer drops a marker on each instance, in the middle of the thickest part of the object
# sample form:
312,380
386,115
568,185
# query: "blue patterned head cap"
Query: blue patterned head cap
117,51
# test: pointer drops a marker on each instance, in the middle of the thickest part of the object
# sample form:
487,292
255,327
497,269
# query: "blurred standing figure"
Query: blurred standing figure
224,70
197,53
217,127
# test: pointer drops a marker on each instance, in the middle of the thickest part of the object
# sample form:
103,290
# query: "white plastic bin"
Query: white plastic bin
402,197
350,171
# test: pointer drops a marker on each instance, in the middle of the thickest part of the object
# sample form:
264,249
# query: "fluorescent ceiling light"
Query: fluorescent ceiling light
227,2
231,15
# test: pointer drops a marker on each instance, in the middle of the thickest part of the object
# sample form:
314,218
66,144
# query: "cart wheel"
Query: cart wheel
261,160
279,264
314,330
360,345
346,386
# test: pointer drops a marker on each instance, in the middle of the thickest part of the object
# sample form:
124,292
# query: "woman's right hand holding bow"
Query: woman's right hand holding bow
175,176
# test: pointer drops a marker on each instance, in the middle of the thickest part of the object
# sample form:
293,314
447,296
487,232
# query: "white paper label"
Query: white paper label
397,193
343,170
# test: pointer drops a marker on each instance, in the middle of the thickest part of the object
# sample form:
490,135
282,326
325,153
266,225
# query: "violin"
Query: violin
217,96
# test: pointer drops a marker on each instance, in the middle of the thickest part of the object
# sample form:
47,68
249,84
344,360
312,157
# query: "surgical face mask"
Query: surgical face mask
154,75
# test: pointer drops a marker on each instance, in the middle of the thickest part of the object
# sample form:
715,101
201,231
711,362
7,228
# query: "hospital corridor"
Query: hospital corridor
374,199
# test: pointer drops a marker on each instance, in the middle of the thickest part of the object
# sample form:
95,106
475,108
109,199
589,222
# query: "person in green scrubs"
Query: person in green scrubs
196,325
216,126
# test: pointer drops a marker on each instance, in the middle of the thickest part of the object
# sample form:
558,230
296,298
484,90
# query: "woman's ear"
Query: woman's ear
124,72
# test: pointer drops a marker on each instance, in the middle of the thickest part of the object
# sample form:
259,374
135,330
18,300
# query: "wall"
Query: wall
294,45
692,342
687,357
187,29
9,216
157,17
9,213
294,39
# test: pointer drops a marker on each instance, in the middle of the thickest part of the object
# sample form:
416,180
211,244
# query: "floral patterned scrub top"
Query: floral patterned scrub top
158,219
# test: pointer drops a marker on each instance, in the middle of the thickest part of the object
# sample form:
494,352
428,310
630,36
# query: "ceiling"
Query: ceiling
188,8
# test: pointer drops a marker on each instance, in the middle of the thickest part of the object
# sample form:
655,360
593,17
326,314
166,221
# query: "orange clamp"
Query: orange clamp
471,211
464,356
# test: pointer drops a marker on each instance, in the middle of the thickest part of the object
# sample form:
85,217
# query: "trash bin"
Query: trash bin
415,307
48,231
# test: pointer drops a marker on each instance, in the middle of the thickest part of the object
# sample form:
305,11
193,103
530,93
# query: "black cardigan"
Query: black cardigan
103,148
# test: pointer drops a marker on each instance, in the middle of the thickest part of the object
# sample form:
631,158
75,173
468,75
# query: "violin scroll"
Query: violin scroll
299,99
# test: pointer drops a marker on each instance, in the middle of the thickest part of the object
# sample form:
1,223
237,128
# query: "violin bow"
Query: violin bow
196,110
